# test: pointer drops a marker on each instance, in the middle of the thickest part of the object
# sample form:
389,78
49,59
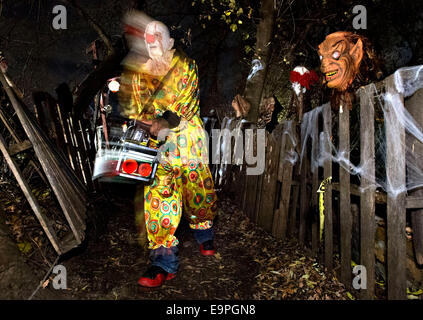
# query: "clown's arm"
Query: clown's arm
186,105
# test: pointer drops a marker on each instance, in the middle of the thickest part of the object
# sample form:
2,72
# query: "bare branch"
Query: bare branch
102,34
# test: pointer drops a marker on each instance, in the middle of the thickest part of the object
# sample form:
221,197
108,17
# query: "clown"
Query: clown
163,92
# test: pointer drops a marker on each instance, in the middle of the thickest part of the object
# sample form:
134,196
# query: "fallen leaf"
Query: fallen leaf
45,284
217,256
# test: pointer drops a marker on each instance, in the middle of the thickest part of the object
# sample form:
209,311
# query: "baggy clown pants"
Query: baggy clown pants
183,185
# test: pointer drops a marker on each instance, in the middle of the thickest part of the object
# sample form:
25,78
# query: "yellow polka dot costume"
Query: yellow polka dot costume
183,184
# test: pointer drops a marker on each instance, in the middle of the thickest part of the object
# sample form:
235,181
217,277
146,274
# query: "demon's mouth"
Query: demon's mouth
331,75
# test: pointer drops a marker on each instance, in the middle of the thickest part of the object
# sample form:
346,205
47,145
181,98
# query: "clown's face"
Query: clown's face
340,60
157,39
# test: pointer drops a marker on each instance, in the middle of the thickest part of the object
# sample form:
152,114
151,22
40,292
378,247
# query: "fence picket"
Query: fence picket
269,183
396,218
367,197
345,201
327,172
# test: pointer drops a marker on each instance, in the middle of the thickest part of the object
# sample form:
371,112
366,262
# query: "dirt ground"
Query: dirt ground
249,264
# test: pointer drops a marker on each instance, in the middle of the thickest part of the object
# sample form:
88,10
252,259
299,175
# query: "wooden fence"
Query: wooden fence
72,135
24,133
284,199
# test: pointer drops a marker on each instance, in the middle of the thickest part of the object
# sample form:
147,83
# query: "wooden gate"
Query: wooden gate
49,161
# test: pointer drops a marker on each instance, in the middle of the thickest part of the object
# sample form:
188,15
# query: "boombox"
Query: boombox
126,152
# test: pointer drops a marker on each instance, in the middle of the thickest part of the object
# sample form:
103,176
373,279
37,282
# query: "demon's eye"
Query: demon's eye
320,58
336,55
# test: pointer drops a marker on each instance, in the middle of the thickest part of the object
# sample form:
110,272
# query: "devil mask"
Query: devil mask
340,59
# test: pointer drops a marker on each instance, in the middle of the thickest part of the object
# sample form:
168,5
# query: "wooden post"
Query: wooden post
314,188
327,172
292,208
345,200
368,188
413,105
293,214
396,218
280,221
245,195
253,182
304,199
256,198
277,218
268,188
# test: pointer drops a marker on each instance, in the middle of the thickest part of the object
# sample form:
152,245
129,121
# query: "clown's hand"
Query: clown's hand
160,129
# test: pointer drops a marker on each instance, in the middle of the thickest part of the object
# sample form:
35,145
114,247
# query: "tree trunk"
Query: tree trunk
254,88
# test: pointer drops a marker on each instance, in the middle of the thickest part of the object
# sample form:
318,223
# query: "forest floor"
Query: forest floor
249,264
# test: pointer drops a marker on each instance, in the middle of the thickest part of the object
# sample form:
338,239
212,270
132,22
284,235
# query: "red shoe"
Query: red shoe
154,277
207,248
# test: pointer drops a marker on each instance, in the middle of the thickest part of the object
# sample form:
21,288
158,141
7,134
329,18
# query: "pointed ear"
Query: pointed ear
356,53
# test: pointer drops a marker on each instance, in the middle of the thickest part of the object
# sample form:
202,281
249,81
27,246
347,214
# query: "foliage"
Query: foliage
237,16
233,13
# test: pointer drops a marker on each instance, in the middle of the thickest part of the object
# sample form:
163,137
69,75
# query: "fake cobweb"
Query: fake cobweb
391,116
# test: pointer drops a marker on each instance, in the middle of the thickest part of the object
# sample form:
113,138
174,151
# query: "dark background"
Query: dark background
40,58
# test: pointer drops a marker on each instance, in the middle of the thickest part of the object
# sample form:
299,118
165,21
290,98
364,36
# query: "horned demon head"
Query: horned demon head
340,55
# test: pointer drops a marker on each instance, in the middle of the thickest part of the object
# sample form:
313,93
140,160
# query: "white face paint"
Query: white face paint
157,39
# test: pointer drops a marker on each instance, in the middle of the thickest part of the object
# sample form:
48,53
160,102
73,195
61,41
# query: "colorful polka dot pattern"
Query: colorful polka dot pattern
183,184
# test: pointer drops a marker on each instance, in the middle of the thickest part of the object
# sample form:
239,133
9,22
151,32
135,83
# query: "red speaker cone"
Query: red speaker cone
129,166
145,169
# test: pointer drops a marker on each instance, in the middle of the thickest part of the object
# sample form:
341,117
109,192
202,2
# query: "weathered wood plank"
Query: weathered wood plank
3,118
77,154
314,188
415,200
285,198
292,208
70,148
304,199
327,172
245,193
345,200
278,215
293,212
254,183
268,188
69,194
368,187
282,151
396,218
45,223
256,196
280,222
380,197
83,155
19,141
19,147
